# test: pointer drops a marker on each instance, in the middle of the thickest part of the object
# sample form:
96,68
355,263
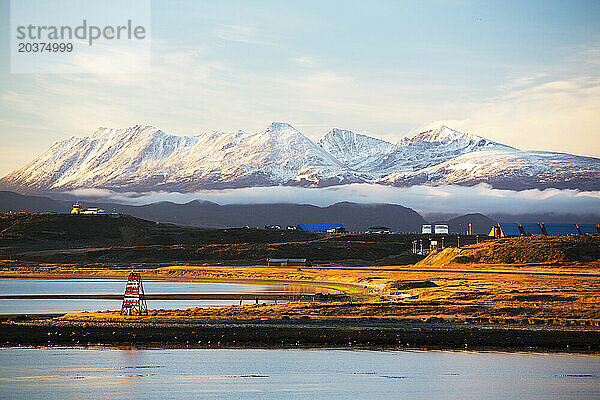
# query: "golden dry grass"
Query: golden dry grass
438,287
562,300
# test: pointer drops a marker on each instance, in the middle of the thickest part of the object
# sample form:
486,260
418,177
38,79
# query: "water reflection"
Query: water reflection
97,286
270,374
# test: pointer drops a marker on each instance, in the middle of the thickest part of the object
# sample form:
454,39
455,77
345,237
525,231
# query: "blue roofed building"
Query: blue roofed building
329,228
588,229
561,229
505,230
532,229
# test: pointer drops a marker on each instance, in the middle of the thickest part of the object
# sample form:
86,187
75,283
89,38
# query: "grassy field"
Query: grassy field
548,282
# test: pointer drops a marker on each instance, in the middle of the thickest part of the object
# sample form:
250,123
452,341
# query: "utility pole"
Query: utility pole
458,240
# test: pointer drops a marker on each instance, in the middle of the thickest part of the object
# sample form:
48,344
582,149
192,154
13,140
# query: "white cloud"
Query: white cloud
425,199
240,34
306,61
555,115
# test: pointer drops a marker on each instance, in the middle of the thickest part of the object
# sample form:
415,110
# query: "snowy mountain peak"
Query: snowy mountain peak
339,136
340,132
343,135
281,127
444,136
144,158
281,132
354,150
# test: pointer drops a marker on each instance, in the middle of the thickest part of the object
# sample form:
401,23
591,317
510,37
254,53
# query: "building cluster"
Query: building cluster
77,209
438,229
541,229
325,228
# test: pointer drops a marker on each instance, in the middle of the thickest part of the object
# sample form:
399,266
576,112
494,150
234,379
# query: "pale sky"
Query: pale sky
526,74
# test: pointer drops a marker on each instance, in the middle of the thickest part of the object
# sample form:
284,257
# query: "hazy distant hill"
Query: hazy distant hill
14,202
355,217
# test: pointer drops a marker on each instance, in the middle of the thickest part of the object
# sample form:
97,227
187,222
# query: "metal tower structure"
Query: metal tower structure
134,301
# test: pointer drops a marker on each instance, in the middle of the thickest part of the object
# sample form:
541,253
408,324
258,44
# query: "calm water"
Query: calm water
96,286
298,374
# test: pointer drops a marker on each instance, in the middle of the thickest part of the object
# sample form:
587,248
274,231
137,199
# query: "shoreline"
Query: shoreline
386,309
297,333
326,286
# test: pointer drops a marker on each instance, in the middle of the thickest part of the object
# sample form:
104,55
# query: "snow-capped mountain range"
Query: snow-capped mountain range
144,158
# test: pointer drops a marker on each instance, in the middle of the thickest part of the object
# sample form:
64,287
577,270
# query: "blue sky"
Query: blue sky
523,73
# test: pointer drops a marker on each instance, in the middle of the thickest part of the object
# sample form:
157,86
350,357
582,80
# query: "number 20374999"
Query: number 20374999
39,47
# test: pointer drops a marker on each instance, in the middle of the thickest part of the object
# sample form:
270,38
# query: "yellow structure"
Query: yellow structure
78,210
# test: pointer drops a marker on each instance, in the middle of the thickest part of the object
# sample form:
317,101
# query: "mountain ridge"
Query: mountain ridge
145,158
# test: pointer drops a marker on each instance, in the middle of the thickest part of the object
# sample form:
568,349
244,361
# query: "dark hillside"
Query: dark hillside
41,231
116,238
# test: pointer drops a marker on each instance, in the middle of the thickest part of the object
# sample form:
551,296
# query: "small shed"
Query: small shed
287,262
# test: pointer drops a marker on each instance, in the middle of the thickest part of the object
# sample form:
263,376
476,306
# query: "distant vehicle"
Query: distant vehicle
273,227
291,228
441,229
425,229
378,229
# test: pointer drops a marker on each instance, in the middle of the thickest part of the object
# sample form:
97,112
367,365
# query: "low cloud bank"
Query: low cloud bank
424,199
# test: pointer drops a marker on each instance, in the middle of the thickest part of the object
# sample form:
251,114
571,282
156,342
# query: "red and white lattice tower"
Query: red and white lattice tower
133,300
